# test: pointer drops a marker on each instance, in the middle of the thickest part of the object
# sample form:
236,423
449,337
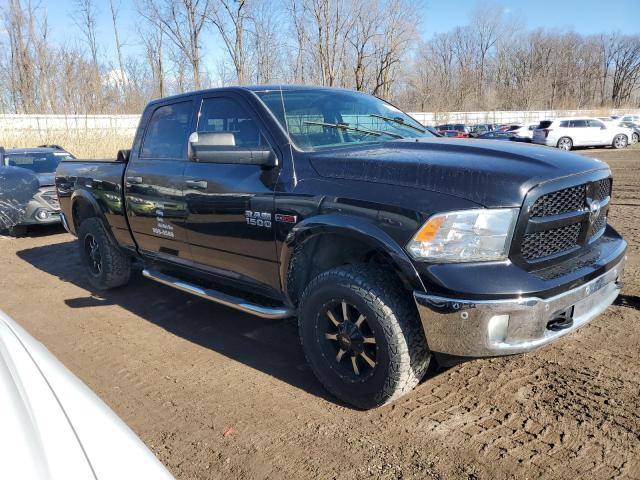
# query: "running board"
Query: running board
219,297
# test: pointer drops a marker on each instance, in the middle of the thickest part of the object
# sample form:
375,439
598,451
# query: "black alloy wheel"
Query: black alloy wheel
92,250
349,339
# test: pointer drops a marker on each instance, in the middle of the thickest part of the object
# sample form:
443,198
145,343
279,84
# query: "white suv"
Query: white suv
525,132
566,133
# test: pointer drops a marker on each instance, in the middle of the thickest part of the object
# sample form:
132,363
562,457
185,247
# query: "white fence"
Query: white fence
65,123
471,118
127,124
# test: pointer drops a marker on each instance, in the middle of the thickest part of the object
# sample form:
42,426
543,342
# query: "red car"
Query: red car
453,133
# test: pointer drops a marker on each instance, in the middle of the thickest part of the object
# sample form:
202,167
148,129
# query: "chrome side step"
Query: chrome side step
219,297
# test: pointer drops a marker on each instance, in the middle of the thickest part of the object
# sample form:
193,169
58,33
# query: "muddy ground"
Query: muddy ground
182,371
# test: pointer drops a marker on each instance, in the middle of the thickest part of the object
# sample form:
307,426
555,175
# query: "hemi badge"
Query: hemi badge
286,218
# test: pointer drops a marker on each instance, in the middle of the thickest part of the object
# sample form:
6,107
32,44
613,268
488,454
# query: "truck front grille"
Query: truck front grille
562,201
559,222
549,242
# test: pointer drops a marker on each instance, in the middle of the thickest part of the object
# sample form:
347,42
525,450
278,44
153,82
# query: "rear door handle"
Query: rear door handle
199,184
134,180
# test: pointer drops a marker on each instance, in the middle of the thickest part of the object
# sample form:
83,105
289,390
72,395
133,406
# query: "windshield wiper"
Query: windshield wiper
397,120
345,126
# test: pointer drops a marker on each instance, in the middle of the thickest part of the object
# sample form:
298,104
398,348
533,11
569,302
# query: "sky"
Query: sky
581,16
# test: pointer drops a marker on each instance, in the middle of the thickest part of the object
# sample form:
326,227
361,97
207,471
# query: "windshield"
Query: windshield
317,119
36,162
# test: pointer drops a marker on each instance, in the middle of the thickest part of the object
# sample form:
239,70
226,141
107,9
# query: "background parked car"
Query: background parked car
481,128
54,426
507,136
460,127
566,133
42,161
635,127
633,118
453,134
524,133
17,187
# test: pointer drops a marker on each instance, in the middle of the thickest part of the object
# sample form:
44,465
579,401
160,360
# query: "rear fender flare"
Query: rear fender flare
90,201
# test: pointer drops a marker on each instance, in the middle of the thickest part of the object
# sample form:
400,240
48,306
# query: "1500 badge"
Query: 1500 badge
258,219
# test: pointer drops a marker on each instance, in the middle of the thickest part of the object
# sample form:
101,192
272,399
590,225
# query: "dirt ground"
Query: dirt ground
182,371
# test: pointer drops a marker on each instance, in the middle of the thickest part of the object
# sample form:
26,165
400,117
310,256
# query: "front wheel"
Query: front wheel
620,141
565,143
635,138
361,335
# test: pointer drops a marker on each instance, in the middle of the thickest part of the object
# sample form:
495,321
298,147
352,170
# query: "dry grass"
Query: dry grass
88,144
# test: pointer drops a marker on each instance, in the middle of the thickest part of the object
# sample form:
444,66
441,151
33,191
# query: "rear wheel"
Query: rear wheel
107,266
361,335
620,141
565,143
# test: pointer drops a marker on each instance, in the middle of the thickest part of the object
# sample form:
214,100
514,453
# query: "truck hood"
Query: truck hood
489,173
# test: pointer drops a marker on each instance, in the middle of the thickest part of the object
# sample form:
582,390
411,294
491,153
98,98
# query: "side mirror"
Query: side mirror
220,147
604,127
123,156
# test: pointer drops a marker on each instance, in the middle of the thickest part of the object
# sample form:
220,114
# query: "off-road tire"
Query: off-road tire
565,143
402,355
115,264
620,141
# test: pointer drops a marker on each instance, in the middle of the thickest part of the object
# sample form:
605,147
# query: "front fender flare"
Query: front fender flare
354,227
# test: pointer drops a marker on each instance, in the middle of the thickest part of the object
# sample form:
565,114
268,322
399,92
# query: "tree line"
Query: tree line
375,46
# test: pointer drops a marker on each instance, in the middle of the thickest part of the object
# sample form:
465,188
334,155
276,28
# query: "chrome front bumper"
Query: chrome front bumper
473,328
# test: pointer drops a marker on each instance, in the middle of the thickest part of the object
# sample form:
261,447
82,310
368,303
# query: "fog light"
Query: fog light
42,214
497,328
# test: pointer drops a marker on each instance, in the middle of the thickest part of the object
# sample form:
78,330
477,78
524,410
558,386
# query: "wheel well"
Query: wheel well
324,252
81,210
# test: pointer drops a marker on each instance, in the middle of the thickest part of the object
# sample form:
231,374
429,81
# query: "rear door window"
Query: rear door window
577,123
167,132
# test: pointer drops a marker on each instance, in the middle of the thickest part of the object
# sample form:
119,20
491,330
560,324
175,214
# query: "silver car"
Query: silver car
42,161
54,426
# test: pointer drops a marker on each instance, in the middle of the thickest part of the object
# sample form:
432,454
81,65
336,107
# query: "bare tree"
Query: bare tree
182,21
121,68
231,18
85,19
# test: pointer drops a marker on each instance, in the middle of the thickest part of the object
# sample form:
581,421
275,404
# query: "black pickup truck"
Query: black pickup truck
389,245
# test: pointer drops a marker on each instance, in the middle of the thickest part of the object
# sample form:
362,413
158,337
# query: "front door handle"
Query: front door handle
134,180
199,184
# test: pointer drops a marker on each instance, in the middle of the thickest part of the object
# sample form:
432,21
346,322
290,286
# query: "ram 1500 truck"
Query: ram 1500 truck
389,245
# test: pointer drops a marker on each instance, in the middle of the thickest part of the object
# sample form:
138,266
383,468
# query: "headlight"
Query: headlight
465,236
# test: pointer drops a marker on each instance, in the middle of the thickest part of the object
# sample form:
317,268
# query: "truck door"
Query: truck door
230,206
153,183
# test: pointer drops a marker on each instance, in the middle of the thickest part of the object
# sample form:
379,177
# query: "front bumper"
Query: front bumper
485,328
38,212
